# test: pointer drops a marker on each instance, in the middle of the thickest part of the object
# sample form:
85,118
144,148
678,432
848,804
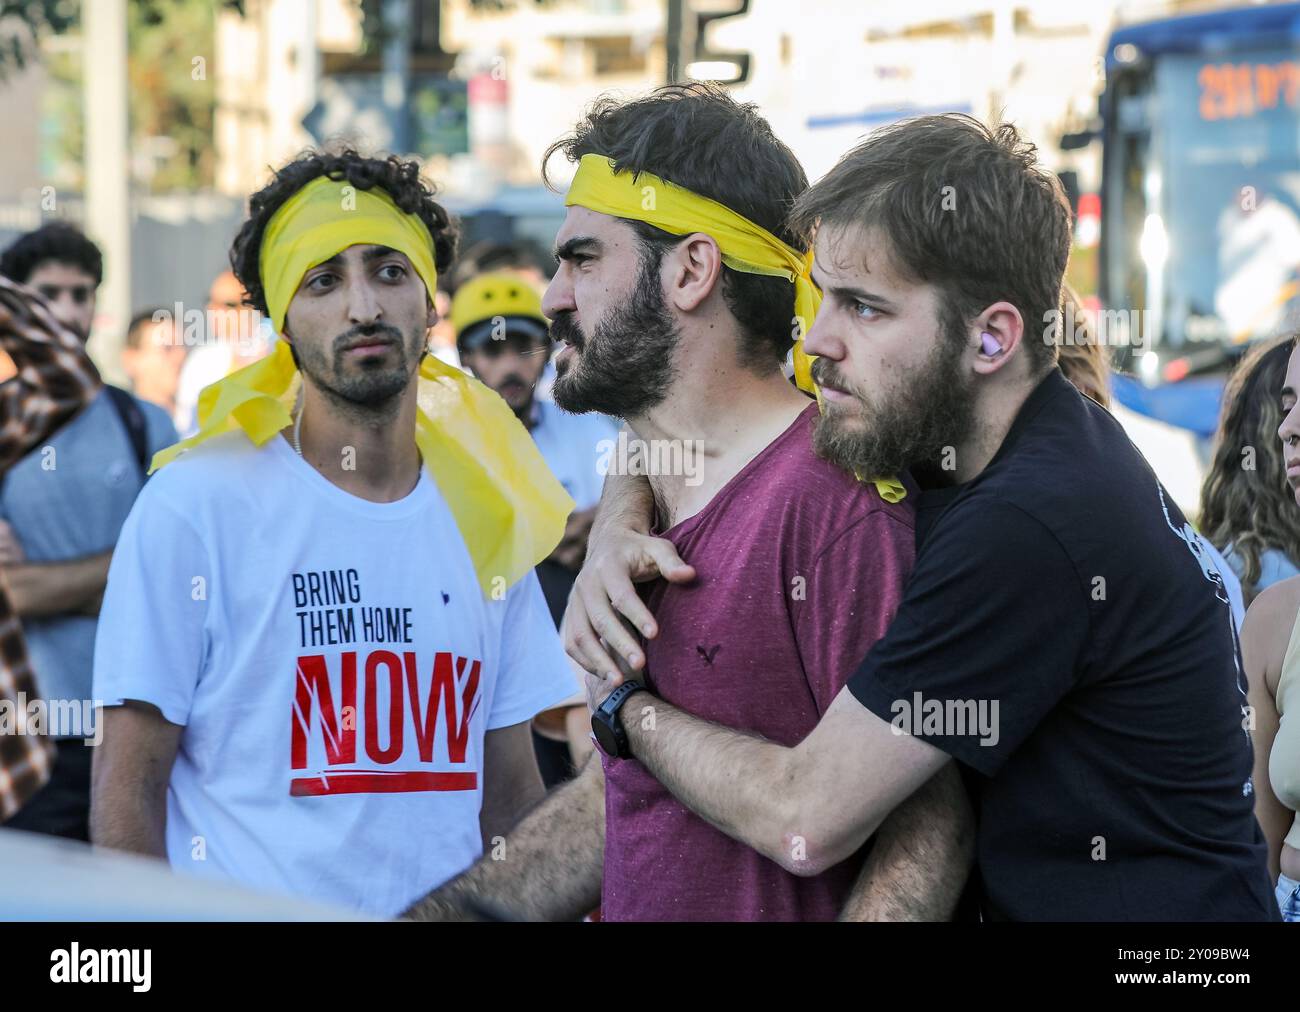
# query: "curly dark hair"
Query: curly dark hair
400,180
57,242
699,137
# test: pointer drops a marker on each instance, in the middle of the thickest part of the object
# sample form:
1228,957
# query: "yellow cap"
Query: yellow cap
492,295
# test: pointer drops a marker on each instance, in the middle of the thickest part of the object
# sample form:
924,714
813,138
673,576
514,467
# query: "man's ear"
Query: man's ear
431,314
1003,324
698,270
287,338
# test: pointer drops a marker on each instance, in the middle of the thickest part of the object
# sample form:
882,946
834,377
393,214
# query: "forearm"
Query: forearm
743,785
806,808
130,824
922,855
549,868
626,502
504,811
129,816
40,589
577,729
132,768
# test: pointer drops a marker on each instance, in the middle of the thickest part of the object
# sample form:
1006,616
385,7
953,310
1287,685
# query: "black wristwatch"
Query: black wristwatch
607,727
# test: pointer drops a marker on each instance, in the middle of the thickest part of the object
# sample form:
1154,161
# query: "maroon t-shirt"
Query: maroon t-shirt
799,570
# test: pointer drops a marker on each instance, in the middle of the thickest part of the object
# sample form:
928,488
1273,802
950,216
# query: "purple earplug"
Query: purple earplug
989,345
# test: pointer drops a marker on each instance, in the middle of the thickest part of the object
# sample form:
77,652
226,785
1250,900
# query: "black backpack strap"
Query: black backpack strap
128,409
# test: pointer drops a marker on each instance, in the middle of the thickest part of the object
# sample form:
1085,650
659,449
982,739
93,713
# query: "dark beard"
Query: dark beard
372,390
934,410
625,367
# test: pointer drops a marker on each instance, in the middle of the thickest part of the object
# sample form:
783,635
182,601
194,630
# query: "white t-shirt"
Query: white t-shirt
335,666
210,362
202,366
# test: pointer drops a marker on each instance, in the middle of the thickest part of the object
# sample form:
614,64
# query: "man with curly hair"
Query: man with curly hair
322,642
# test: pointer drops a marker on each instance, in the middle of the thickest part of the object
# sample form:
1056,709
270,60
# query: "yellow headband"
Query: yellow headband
324,218
509,508
745,246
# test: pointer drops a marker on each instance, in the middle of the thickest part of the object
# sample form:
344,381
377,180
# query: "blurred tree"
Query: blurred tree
63,134
170,45
23,23
171,70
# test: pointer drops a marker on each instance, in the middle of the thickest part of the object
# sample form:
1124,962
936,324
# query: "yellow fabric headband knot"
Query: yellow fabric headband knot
745,247
509,508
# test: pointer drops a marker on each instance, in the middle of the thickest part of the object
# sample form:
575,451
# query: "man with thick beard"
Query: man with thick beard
1059,636
675,296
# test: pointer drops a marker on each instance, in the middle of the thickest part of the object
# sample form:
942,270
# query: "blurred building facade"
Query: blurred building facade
824,72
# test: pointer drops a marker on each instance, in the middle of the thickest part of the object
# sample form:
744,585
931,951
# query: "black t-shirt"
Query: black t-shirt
1064,636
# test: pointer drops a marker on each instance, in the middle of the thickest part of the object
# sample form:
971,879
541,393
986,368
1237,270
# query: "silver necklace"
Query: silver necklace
297,441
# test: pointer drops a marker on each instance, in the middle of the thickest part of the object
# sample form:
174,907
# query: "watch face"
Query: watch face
604,737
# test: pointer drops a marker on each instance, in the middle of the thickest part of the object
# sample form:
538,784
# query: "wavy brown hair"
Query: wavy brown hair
1252,508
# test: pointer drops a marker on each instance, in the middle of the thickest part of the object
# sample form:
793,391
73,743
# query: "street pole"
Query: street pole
107,191
673,41
397,72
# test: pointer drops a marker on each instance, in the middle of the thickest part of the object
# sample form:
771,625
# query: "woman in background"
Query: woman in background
1270,648
1247,510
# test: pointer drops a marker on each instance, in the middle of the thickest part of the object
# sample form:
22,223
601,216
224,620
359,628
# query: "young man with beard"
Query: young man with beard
677,319
317,676
1058,636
